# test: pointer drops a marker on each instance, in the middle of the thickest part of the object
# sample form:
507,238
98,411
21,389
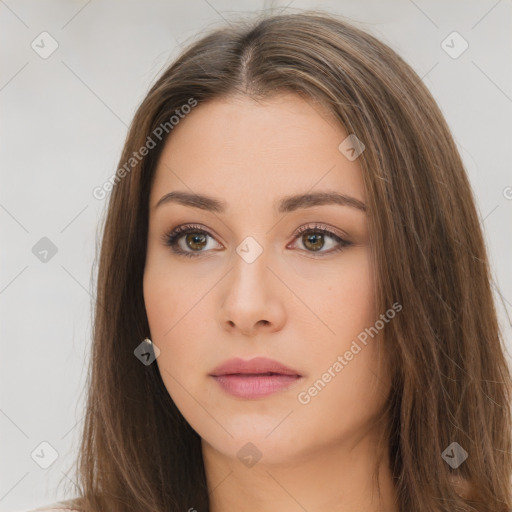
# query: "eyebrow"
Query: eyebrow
284,205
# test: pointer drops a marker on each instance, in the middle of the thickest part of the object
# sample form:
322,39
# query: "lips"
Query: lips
256,378
255,366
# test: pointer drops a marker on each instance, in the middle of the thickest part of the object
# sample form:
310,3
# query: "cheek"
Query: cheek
174,312
169,294
159,301
345,404
163,308
344,306
345,299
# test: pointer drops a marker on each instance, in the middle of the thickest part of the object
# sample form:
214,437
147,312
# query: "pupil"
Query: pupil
194,237
311,238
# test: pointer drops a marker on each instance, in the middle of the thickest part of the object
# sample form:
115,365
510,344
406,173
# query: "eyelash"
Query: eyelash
172,238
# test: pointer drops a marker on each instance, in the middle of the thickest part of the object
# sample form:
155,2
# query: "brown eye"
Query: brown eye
196,241
313,241
315,238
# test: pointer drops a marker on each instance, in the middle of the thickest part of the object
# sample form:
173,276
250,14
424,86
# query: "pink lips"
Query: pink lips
256,378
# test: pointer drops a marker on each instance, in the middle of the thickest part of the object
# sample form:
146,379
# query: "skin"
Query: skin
292,304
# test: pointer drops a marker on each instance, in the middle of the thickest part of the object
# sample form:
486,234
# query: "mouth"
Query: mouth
252,374
255,385
256,378
256,366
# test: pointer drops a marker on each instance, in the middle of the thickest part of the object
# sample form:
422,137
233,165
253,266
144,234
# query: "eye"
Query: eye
196,239
313,239
194,236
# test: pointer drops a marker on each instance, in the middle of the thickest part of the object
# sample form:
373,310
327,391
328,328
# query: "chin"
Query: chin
260,440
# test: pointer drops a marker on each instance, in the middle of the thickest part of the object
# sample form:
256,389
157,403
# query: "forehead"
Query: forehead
241,149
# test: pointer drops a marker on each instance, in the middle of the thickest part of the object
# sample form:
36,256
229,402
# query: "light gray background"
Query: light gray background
64,119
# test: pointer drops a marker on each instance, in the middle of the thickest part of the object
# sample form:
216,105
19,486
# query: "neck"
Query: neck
341,478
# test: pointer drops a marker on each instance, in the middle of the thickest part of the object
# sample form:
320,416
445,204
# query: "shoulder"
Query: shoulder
61,506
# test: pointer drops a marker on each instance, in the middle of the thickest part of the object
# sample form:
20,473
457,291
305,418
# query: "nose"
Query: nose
252,299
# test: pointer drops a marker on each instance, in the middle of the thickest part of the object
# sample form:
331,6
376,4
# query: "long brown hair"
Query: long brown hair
445,352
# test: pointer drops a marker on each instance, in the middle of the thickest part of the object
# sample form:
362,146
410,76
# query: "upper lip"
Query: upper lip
253,366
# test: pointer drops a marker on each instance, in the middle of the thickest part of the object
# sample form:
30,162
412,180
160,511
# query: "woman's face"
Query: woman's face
245,283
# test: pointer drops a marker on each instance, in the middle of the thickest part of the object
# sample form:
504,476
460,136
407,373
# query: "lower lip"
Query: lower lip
254,386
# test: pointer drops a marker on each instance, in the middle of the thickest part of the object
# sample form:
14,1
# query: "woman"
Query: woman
294,307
